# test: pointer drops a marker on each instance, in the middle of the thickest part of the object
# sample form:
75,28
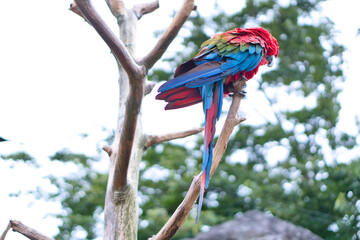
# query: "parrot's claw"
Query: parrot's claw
242,93
243,77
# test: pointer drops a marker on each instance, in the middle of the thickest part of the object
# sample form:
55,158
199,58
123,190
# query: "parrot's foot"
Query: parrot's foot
242,92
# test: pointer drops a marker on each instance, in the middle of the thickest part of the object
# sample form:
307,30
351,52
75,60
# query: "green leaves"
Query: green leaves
18,156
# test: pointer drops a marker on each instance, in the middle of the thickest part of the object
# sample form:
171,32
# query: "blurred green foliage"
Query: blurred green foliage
18,156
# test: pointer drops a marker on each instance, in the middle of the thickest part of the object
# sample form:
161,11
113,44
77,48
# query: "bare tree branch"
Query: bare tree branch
75,9
169,35
28,232
179,216
107,149
5,232
145,8
117,47
152,140
117,7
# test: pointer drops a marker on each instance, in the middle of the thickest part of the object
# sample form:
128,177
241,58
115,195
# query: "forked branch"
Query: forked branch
179,216
116,46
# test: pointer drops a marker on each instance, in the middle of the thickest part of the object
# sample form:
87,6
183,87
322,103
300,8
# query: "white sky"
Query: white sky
58,79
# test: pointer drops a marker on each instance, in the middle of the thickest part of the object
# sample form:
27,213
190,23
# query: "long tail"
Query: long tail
212,95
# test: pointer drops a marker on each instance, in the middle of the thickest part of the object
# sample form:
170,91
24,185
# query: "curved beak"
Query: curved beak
269,59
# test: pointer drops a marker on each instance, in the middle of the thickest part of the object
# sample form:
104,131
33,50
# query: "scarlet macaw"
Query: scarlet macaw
208,78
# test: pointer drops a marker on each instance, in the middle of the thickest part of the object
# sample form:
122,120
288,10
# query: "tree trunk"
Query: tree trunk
121,208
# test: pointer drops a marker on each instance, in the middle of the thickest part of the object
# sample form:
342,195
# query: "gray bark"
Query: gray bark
121,208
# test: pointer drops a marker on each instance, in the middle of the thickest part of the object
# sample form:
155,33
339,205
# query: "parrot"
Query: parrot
208,77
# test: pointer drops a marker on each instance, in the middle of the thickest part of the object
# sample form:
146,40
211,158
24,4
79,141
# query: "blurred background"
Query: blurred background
297,155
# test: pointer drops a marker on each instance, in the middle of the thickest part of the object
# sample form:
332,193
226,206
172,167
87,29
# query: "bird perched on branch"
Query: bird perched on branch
208,78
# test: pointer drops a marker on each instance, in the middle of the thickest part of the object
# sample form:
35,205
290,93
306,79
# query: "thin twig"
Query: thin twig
28,232
5,232
152,140
145,8
181,213
169,35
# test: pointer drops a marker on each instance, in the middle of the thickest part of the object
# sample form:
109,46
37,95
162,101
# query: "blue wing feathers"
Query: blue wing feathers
220,99
206,94
202,81
230,67
183,79
252,48
255,62
229,64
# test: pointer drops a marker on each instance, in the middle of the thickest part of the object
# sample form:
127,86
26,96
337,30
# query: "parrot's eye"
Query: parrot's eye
269,59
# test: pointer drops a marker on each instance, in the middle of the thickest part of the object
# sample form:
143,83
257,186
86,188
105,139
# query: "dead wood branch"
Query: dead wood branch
117,7
152,140
145,8
116,46
181,213
75,9
28,232
5,232
169,35
107,149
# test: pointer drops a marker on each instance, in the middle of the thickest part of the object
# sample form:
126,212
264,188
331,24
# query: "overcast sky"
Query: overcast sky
58,79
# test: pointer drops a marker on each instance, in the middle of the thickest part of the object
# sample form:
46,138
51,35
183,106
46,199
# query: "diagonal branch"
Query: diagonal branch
181,213
116,46
145,8
74,8
152,140
5,232
169,35
28,232
117,7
